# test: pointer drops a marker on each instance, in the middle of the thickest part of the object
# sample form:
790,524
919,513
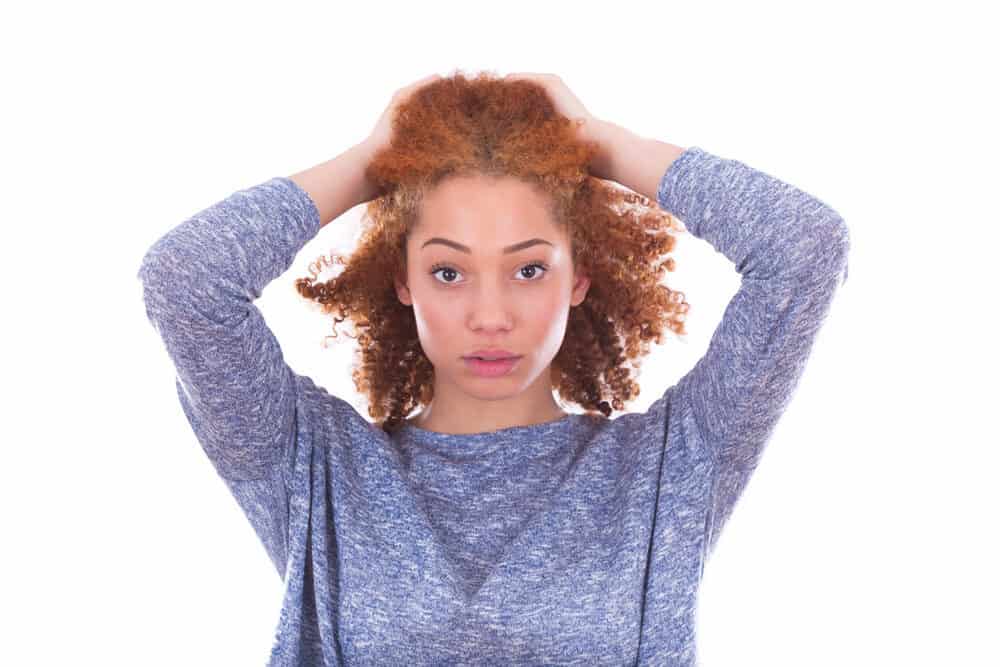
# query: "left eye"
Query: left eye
443,267
534,266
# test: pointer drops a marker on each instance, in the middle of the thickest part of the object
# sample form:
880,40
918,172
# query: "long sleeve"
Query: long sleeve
199,283
791,252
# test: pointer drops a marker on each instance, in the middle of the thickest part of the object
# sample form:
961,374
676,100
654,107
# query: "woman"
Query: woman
494,527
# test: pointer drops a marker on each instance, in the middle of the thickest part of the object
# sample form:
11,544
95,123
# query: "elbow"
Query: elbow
839,246
821,251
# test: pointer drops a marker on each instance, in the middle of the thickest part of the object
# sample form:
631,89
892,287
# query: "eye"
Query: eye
533,266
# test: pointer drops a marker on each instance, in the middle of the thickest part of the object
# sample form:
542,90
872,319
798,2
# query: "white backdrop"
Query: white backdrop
867,535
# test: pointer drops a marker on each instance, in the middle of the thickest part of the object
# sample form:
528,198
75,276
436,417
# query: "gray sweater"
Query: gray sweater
576,542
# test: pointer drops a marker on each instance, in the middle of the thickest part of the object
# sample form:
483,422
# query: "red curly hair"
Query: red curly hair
486,125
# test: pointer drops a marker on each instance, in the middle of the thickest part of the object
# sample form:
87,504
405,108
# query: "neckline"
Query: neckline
468,445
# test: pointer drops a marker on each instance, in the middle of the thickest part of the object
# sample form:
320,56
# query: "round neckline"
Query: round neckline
464,445
408,425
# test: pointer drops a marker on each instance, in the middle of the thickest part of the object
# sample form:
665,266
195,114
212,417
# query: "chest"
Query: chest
552,594
557,572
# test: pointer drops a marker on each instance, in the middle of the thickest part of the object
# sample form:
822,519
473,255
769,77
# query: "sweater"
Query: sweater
580,541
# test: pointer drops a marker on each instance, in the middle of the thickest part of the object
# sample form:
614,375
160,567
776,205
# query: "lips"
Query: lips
492,354
492,369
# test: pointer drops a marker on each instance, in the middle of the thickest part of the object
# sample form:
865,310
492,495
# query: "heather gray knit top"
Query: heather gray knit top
576,542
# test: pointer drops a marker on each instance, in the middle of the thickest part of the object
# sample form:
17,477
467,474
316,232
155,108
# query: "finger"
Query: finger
425,80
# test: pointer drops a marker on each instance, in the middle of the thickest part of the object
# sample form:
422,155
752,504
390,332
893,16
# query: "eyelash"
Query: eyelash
544,267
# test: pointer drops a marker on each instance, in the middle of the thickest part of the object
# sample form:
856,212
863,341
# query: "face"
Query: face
487,267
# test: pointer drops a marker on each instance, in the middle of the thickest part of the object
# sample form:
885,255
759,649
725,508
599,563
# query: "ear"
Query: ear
402,291
580,287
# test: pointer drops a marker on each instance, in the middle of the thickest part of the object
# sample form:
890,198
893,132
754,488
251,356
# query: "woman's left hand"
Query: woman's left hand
567,104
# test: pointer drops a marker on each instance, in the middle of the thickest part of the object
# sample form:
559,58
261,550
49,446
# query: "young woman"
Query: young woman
502,266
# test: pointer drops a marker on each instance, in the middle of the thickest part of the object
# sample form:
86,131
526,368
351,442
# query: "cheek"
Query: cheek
548,324
436,320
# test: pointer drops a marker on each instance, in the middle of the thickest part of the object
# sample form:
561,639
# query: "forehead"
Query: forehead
485,211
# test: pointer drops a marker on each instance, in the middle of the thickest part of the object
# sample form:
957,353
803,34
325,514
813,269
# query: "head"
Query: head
487,266
475,170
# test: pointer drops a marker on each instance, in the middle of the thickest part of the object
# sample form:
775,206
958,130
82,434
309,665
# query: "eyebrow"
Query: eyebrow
464,248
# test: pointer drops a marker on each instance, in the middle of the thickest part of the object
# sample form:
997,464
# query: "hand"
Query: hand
567,104
382,133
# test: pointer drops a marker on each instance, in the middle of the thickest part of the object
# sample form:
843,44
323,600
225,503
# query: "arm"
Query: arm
240,397
199,283
636,162
338,185
791,251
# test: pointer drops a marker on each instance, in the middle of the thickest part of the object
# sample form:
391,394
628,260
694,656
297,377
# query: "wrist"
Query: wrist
361,155
613,143
636,162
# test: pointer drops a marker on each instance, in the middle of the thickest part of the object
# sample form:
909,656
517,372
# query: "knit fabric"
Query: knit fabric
580,541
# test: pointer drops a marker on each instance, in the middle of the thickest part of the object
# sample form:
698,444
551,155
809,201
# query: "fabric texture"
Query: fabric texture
575,542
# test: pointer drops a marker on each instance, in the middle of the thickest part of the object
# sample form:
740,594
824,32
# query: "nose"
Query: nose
490,316
491,310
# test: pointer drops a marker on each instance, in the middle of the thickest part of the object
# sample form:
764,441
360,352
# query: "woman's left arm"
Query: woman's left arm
636,162
790,250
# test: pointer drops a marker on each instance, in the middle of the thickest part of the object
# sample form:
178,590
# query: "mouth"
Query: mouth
486,368
492,358
492,354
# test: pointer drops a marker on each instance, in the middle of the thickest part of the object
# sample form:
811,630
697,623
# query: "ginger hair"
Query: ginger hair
485,125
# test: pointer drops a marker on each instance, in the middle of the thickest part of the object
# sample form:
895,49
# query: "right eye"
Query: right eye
442,267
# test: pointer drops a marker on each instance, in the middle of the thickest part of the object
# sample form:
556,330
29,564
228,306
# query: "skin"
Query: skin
486,299
491,307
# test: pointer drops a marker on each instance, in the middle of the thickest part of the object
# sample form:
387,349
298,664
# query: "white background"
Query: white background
867,535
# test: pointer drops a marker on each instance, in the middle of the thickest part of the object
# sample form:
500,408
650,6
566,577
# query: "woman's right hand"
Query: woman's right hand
382,133
324,183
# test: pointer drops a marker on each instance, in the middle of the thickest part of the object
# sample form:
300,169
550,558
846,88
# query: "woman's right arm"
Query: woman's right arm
339,184
240,397
200,280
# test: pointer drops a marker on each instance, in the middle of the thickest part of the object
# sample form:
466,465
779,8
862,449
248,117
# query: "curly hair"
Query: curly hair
486,125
